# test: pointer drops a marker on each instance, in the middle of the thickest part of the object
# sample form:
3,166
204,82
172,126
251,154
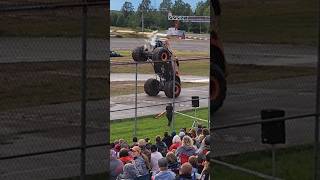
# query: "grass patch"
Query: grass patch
146,126
58,23
272,21
292,163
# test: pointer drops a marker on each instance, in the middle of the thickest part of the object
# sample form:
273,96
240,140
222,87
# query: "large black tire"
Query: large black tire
138,54
168,89
152,87
218,88
161,54
218,58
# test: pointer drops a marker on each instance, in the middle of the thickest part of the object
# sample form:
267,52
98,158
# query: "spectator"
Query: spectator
140,161
155,156
185,172
199,132
205,132
167,139
186,150
164,173
173,163
193,133
124,156
117,148
176,143
204,148
143,145
134,141
193,160
182,134
162,147
129,172
121,141
124,145
173,134
115,165
205,174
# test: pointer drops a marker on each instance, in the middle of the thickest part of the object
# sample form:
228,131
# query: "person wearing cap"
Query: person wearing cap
164,173
140,161
186,150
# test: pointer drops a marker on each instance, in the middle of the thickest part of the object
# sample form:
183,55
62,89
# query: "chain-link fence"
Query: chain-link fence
132,101
273,64
54,76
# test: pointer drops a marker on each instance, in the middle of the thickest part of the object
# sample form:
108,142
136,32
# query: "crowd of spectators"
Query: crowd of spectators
182,156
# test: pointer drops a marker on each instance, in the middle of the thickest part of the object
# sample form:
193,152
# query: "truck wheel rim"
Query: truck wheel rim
215,89
164,56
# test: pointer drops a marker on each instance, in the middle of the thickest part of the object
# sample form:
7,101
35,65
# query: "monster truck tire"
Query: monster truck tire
152,87
160,54
218,58
168,89
138,54
218,88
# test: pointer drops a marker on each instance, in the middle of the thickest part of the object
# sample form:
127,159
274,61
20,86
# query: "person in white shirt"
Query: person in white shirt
155,156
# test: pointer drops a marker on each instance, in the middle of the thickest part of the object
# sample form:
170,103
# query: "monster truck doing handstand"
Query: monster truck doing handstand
160,54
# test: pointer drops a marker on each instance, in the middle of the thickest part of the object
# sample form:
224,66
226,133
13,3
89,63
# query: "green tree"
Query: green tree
166,4
127,9
121,21
181,8
145,6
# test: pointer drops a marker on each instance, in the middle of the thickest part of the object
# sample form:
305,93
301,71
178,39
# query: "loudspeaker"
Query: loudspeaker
273,132
195,101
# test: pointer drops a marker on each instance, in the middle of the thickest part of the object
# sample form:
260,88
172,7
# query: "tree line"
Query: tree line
157,18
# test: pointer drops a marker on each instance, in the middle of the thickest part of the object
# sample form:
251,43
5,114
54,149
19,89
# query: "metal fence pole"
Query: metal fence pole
273,149
174,93
83,92
136,103
316,143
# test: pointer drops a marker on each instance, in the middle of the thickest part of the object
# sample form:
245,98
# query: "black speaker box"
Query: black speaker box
273,132
195,101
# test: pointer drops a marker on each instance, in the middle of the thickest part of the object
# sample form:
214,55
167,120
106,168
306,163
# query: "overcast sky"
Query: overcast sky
117,4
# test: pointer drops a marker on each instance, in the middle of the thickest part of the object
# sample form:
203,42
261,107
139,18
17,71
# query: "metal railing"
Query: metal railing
43,7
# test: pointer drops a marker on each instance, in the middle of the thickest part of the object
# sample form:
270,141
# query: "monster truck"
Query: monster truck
161,57
218,73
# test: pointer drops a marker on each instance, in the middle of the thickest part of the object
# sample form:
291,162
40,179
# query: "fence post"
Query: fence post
316,131
174,93
136,103
83,92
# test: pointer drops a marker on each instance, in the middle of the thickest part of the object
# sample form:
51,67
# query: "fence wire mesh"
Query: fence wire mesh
272,67
41,71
